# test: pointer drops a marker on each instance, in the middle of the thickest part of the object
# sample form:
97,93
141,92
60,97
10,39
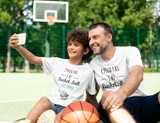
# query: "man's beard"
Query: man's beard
102,50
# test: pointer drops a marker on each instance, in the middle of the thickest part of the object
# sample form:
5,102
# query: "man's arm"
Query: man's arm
132,82
24,52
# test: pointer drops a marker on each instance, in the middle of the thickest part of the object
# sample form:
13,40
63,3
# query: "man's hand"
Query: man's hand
14,39
112,101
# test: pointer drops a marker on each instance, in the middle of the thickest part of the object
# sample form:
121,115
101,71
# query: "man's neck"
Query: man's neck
109,53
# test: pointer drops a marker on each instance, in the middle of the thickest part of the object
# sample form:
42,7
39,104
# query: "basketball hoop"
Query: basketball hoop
51,19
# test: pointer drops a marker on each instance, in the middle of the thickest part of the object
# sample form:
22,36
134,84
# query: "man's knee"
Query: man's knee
121,115
105,94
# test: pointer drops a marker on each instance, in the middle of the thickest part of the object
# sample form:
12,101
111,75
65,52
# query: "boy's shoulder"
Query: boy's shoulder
87,66
52,58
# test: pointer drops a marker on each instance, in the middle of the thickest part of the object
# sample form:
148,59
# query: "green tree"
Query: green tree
123,15
11,13
117,13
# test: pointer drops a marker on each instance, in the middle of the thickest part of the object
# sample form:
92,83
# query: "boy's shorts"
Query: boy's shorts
145,109
58,108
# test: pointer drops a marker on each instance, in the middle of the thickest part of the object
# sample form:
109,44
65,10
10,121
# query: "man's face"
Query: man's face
97,40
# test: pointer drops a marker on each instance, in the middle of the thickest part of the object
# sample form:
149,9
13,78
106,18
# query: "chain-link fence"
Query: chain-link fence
50,41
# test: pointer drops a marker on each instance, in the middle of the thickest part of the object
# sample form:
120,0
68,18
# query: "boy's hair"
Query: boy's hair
105,26
80,36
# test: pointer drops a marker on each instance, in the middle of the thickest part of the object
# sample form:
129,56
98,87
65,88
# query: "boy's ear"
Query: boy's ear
86,51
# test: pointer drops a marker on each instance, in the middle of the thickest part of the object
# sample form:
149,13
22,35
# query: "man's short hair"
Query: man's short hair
105,26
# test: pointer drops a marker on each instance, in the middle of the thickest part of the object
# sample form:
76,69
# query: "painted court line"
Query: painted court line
8,122
17,101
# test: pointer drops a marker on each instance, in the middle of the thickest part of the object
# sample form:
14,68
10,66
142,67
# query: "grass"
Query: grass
19,92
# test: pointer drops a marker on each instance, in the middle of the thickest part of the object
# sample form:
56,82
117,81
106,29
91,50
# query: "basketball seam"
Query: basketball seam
65,120
98,120
83,112
87,118
74,113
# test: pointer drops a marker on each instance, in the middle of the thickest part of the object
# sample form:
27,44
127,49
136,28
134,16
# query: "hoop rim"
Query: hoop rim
51,19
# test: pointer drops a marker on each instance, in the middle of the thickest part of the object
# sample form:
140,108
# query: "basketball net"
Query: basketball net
51,19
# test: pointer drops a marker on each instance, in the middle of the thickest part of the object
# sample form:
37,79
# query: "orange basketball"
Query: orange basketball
80,112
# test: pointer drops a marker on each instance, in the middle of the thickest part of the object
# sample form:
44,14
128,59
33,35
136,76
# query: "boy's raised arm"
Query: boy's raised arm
24,52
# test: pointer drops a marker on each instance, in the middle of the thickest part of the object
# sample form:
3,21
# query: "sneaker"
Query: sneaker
47,117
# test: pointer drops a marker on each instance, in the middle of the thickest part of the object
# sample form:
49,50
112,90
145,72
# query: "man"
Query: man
119,73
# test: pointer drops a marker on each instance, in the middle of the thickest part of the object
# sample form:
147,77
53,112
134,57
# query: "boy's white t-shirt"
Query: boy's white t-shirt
110,75
70,81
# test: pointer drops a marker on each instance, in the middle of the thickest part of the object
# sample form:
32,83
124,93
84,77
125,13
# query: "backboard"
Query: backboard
42,9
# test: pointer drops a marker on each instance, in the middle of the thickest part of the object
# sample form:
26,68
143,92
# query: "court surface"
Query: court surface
19,92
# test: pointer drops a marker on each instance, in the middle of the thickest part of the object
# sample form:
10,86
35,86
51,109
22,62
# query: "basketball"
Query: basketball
80,112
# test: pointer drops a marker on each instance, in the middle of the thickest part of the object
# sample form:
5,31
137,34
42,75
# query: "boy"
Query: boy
71,77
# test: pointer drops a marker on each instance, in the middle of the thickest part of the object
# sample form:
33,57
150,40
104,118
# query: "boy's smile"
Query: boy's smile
75,50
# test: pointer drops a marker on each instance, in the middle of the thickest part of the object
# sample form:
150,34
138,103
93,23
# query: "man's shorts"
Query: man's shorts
58,108
145,109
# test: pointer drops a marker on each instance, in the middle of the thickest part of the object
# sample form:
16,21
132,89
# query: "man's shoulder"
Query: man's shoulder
126,47
95,58
96,61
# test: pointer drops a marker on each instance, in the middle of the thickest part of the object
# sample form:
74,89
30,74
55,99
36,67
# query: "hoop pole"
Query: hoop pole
138,37
157,50
24,65
63,41
47,43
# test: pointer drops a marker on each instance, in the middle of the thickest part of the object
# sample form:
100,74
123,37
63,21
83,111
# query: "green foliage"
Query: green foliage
123,15
11,11
5,18
150,70
36,43
117,13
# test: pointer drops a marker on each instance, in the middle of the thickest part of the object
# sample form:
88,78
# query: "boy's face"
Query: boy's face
75,50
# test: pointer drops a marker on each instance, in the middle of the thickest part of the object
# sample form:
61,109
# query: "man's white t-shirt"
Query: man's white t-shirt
110,75
70,81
